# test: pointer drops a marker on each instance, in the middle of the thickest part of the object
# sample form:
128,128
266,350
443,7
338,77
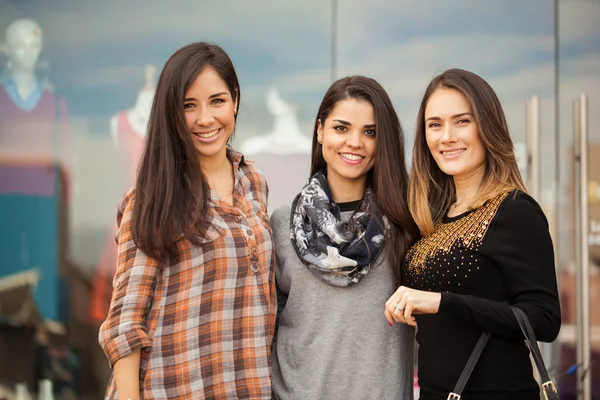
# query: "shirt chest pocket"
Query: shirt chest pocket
261,216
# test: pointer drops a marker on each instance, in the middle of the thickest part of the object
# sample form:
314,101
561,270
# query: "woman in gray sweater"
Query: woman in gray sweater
339,249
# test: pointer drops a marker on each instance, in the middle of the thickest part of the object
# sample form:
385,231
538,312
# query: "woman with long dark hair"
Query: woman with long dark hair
193,309
339,248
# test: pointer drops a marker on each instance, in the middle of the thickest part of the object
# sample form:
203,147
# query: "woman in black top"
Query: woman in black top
485,247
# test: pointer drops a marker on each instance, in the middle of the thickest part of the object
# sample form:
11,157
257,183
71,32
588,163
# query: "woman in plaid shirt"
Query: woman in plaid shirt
193,309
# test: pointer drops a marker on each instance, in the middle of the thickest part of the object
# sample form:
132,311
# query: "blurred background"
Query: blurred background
77,80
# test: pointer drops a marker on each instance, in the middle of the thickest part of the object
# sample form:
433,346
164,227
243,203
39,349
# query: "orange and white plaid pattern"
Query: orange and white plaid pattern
205,319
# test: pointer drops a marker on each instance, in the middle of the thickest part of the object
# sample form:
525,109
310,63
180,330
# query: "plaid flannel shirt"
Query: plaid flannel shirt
205,319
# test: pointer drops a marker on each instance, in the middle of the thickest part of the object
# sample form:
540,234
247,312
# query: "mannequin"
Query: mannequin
128,130
285,144
285,137
33,120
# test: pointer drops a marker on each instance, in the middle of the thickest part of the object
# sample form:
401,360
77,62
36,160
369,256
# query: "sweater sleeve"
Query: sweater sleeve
521,247
280,224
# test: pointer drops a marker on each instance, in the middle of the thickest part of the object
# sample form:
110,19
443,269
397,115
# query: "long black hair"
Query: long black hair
171,194
389,177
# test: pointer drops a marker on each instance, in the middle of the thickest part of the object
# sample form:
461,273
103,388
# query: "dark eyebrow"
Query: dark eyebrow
341,121
212,96
453,117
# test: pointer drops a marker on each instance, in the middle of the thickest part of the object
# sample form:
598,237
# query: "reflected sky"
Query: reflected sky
96,52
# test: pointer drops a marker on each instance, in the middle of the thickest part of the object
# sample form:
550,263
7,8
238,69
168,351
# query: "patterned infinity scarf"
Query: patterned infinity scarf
340,253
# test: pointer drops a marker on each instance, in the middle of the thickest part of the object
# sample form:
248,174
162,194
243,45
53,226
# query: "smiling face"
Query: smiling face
349,144
210,114
452,134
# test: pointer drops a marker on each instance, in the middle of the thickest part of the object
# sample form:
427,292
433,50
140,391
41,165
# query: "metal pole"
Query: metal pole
584,388
534,177
585,256
577,246
532,141
555,226
533,135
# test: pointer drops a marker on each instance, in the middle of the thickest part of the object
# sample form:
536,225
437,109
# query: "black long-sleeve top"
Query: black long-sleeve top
484,261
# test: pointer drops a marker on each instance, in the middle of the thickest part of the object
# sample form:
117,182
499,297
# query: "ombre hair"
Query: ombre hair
431,191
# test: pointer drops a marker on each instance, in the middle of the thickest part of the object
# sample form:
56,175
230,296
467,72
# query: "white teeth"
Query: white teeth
207,135
352,157
452,152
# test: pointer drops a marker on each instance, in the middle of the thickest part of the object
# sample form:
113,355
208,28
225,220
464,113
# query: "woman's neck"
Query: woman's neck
215,167
467,188
343,191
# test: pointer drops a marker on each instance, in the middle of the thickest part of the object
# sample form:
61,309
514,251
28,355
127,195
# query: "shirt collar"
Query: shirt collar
237,159
27,104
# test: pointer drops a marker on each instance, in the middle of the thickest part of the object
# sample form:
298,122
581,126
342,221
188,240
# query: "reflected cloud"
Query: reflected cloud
285,137
96,51
138,22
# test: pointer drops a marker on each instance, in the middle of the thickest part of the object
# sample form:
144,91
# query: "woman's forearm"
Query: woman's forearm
127,376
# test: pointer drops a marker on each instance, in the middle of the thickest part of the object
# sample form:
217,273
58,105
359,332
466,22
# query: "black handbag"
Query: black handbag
548,388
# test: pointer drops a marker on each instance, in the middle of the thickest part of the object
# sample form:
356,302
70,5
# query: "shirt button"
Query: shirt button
239,218
253,248
249,232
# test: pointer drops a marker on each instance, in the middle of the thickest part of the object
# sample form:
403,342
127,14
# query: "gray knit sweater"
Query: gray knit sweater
334,342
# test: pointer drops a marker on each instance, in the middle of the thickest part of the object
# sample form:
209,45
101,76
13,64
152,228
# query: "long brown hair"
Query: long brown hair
171,193
388,178
431,191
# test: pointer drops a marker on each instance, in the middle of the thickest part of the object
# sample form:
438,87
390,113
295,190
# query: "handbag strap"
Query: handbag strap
466,373
550,392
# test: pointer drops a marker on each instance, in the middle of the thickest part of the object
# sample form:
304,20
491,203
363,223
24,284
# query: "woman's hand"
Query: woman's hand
406,302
